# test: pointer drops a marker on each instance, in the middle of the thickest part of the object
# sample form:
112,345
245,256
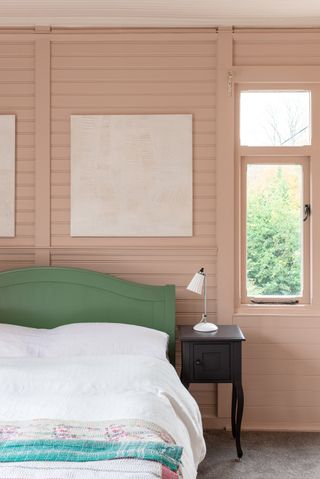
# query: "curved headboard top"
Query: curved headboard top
47,297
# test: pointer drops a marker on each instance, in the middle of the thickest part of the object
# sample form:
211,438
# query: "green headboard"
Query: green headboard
46,297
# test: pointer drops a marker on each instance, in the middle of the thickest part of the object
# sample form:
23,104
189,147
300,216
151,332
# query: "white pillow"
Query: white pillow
92,339
19,342
82,339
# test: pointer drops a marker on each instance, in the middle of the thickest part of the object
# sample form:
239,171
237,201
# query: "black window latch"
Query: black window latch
306,212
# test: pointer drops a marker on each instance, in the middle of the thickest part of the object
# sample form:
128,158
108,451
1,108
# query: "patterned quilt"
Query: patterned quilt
142,447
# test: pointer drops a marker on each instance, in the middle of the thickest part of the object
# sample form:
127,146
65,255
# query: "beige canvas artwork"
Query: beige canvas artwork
131,175
7,175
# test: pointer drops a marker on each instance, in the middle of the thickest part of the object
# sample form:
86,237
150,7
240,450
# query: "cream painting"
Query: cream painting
7,175
131,175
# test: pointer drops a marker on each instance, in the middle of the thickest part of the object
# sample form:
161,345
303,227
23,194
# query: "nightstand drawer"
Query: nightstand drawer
211,362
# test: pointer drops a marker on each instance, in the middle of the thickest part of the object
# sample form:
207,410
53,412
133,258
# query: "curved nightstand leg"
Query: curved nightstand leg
240,401
233,410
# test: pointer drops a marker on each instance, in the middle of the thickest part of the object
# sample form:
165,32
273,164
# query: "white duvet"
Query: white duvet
104,388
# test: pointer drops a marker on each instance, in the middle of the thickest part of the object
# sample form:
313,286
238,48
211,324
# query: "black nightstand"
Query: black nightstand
215,358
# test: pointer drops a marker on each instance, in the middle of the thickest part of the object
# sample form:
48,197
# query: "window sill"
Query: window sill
276,309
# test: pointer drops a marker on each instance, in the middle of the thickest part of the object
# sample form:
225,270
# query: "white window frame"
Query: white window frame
268,154
281,160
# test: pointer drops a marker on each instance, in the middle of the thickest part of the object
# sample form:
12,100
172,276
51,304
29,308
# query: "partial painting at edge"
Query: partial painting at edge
7,175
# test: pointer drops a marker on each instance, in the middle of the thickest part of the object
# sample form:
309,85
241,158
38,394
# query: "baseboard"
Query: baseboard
315,427
213,422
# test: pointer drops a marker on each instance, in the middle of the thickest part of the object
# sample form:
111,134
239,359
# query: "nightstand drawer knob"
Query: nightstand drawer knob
198,362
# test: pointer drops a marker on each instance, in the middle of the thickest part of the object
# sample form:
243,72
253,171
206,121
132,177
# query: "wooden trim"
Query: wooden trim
223,423
99,34
42,147
42,256
284,151
285,427
225,196
315,200
225,181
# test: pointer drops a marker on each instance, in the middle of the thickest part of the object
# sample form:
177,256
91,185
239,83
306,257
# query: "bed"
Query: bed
92,393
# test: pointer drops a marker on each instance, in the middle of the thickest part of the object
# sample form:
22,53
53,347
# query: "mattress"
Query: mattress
94,392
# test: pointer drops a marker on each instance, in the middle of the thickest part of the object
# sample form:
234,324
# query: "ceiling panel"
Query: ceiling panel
160,13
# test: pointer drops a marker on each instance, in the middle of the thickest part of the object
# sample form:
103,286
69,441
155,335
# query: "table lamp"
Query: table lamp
196,285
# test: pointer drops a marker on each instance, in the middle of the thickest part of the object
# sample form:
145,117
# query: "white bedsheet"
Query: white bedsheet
104,388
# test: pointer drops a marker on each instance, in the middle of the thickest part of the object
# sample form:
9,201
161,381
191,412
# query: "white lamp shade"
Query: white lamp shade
196,284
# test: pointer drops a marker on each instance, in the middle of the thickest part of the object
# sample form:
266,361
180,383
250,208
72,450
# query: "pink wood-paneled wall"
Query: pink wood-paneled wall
47,76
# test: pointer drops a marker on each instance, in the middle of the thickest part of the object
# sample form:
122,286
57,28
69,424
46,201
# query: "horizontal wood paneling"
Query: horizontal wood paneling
17,97
140,73
146,36
116,48
133,88
16,258
284,417
276,48
134,76
123,79
281,369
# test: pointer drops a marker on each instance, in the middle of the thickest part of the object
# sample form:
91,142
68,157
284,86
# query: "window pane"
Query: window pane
274,230
275,118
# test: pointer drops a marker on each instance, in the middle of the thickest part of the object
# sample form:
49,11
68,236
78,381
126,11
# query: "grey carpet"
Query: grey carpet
266,455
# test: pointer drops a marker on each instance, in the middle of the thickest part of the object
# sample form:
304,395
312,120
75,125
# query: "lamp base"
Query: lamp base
205,327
